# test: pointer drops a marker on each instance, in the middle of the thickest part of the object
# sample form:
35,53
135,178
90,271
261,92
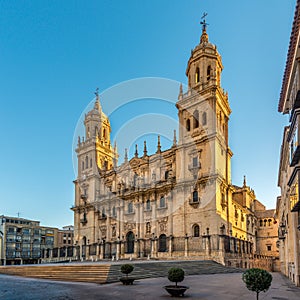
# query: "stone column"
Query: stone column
221,243
186,245
155,246
207,245
87,252
118,250
170,245
98,250
152,248
136,247
122,246
102,250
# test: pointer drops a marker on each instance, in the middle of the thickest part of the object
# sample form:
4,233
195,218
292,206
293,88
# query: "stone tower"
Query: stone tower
94,153
203,153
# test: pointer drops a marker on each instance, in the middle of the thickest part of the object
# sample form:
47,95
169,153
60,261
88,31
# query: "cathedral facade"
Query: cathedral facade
178,202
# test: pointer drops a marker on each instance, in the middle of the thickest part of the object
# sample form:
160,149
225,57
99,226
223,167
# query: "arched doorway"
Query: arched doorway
130,242
162,243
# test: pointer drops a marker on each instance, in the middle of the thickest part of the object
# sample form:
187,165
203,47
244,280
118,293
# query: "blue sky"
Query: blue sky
53,54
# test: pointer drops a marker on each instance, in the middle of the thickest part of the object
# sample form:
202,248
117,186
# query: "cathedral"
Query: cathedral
178,202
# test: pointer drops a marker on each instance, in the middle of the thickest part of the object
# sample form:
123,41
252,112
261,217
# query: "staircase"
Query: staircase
96,273
160,269
110,272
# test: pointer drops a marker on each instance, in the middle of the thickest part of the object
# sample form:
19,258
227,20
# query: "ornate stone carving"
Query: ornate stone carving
162,224
129,226
103,230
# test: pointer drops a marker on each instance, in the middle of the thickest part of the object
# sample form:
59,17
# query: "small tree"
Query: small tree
176,275
257,280
126,269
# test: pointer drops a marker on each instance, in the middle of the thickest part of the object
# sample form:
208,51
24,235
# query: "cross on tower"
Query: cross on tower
97,92
203,23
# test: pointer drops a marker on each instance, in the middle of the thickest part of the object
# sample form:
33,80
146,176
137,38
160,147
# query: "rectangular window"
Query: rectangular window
269,247
195,161
26,231
11,230
162,202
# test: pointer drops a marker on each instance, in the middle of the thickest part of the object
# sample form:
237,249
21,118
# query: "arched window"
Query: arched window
265,222
195,196
148,205
82,165
96,131
129,242
188,125
196,230
162,202
208,72
148,227
162,243
103,215
86,162
130,208
260,223
196,119
104,133
91,163
197,75
204,119
269,222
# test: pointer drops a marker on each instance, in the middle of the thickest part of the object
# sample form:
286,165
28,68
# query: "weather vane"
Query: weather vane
97,92
203,23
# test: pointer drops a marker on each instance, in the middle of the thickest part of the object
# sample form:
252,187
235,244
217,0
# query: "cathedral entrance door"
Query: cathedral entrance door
130,242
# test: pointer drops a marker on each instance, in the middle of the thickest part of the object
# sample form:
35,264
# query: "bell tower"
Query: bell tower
203,111
94,153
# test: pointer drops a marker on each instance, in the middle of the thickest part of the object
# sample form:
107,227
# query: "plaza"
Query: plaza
215,286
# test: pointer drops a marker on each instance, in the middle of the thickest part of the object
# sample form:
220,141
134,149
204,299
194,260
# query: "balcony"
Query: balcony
295,156
295,205
296,104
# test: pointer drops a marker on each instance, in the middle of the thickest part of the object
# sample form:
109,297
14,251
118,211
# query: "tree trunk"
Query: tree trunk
257,293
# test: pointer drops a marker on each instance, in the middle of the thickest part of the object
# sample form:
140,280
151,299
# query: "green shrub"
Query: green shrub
126,269
176,275
257,280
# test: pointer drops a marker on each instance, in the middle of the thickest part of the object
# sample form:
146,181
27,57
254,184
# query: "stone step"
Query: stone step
78,273
105,273
160,269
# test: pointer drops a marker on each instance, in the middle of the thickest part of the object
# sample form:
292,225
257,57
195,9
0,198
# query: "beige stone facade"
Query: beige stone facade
177,202
288,204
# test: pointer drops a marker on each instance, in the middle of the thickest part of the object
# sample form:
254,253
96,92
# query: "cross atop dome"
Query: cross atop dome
97,102
203,23
204,36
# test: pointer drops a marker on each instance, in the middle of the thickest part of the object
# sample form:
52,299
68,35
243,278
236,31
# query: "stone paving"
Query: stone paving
215,287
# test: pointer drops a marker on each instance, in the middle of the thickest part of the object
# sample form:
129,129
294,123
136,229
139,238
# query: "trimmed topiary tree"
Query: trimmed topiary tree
176,275
257,280
127,269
